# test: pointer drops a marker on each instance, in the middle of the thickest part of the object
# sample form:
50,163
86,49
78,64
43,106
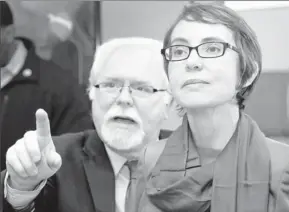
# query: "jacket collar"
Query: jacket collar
30,72
99,173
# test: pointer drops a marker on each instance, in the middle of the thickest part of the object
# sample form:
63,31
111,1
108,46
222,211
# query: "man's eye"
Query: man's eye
109,85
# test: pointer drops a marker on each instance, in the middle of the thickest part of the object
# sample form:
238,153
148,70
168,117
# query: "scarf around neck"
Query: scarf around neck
237,181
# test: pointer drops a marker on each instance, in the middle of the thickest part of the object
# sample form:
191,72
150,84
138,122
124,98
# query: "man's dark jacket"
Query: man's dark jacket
84,183
48,87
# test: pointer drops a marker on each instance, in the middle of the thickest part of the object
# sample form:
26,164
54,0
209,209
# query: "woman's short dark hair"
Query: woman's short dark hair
245,39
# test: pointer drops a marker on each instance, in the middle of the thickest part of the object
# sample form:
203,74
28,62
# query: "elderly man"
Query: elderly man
94,171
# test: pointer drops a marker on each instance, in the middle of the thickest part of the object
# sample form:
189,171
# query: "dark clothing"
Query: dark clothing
84,183
47,87
250,174
165,134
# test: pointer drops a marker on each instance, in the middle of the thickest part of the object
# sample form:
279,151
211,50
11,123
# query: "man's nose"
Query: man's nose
125,98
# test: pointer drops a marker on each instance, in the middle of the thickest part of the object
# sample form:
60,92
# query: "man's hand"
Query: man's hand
33,158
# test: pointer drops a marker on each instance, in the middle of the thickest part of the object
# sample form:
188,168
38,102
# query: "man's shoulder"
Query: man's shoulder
71,141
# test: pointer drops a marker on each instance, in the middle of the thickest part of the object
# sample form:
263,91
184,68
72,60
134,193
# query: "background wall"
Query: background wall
271,27
268,102
152,19
138,18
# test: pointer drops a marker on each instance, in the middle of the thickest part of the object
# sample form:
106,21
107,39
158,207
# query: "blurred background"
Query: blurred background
69,32
63,31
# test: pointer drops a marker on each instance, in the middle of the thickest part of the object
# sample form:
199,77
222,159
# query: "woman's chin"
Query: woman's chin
202,100
200,104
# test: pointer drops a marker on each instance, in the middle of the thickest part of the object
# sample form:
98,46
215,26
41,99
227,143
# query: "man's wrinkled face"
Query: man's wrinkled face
125,110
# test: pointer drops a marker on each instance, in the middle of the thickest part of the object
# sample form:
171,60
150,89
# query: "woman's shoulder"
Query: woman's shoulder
279,152
280,172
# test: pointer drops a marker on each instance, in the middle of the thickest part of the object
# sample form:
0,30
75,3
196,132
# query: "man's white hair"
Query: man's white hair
104,52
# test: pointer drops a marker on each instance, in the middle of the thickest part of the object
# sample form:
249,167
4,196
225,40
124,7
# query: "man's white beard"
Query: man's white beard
123,139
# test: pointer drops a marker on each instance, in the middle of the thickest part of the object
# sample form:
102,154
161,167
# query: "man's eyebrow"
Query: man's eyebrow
180,40
212,39
135,82
140,82
112,79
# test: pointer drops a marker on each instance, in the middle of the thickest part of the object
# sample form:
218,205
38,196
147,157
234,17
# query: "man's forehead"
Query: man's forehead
137,63
138,51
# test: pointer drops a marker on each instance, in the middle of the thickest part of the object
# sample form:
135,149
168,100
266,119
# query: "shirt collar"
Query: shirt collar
15,64
117,161
17,61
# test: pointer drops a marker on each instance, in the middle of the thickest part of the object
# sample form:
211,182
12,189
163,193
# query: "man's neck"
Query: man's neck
138,153
212,128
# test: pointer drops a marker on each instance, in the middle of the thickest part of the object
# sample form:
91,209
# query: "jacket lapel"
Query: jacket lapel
30,72
99,173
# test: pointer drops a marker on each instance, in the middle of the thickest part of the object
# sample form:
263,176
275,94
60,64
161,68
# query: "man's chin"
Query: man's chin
123,140
125,148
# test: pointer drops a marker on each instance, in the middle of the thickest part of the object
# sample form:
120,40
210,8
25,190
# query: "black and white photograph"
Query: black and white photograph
144,106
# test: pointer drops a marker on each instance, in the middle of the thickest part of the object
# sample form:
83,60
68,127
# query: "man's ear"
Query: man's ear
168,99
168,103
253,76
91,93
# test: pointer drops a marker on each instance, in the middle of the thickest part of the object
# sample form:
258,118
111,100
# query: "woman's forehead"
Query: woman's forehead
194,33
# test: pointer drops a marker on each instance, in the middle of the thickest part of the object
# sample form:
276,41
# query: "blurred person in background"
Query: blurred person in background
218,160
29,83
65,39
95,170
56,45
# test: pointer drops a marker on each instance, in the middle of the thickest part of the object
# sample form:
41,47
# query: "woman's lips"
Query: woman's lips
194,82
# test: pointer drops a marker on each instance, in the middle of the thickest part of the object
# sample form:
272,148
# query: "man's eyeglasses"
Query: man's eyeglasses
115,88
204,50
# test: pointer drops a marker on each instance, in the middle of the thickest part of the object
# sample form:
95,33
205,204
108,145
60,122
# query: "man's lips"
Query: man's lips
124,120
194,81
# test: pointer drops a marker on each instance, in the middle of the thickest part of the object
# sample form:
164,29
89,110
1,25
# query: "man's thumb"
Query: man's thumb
53,161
